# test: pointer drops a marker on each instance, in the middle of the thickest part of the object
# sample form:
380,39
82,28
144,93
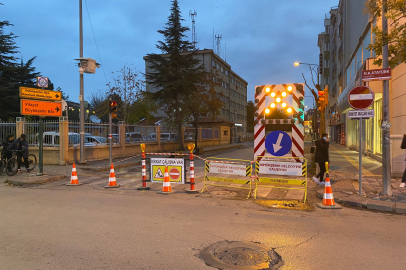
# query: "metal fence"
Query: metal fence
7,128
50,136
140,134
169,134
206,134
95,133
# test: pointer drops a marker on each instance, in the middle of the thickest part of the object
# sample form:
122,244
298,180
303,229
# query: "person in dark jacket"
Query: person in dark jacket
5,153
321,157
21,145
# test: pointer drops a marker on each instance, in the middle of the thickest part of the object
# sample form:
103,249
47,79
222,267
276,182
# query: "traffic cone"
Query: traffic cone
112,179
166,187
328,198
74,177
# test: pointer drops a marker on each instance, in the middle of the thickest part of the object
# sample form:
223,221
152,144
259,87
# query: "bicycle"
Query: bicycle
12,163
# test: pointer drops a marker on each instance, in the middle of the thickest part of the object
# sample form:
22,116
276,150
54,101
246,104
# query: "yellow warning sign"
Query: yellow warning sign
34,93
290,182
174,173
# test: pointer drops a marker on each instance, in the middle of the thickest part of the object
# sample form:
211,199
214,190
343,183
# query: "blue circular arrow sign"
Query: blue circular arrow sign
278,143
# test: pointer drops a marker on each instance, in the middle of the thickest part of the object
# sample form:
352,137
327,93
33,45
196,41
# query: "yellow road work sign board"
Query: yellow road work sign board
40,108
34,93
291,182
228,180
174,173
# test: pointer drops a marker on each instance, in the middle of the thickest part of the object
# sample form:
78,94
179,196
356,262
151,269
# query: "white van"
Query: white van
51,139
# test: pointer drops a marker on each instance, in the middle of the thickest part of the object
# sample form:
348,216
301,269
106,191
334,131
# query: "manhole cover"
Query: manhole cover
224,193
240,255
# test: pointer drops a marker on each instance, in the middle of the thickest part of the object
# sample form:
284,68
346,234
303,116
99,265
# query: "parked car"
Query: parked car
168,137
134,137
51,139
96,139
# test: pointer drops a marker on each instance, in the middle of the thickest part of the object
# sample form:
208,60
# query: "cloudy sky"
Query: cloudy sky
262,37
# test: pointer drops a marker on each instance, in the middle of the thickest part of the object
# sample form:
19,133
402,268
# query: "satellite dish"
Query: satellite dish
94,119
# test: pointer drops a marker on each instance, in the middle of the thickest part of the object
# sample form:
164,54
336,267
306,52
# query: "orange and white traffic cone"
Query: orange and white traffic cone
166,187
112,179
328,198
74,177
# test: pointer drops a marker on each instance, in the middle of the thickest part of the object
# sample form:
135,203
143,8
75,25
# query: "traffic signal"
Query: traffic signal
113,108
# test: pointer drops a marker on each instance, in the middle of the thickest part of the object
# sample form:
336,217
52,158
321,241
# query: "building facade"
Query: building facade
343,45
233,87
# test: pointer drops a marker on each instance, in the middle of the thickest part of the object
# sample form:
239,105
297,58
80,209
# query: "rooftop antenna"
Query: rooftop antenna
193,16
218,38
225,51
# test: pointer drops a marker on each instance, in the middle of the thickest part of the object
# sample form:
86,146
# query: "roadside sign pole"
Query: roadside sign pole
40,141
386,170
110,141
360,157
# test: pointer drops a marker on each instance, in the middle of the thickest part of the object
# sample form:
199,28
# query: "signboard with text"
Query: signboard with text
280,168
176,169
40,108
34,93
361,114
227,168
376,74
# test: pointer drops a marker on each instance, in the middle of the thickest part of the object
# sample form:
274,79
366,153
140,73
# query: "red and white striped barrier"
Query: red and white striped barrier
297,107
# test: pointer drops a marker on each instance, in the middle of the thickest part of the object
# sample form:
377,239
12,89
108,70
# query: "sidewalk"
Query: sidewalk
344,175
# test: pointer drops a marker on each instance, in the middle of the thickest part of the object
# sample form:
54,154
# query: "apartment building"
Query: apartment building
343,47
233,87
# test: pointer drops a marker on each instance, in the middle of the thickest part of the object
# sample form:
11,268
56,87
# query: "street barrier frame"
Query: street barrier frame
283,181
246,163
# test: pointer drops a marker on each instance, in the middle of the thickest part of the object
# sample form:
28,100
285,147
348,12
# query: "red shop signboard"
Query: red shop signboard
342,134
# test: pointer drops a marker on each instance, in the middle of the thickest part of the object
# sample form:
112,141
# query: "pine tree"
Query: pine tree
12,74
176,73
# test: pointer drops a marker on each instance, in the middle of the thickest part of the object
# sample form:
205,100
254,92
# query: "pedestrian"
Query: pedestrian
21,145
321,157
403,146
5,153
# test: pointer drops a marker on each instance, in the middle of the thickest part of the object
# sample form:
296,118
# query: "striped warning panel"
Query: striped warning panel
256,167
304,169
207,167
248,171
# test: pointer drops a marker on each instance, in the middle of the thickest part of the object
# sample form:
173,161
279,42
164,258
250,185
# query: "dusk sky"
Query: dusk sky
263,38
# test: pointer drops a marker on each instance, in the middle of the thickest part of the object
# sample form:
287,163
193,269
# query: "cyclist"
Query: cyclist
21,145
5,153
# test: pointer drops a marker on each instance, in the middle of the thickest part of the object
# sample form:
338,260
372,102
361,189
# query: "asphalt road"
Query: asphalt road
87,228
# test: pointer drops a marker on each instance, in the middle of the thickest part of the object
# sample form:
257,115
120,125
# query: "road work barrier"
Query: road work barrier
277,172
238,173
175,165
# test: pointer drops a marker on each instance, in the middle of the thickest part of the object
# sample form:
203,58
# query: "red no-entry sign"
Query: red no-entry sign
361,97
174,174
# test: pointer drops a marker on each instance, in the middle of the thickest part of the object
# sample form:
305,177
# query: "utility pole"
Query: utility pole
386,177
81,96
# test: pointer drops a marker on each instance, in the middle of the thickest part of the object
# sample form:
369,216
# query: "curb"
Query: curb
36,180
366,203
107,168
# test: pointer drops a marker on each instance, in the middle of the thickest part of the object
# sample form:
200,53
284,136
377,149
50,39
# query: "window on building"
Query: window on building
218,66
365,43
222,69
358,57
227,72
213,63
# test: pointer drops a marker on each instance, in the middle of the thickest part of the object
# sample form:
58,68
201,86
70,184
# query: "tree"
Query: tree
177,72
126,84
250,116
396,38
143,108
205,102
